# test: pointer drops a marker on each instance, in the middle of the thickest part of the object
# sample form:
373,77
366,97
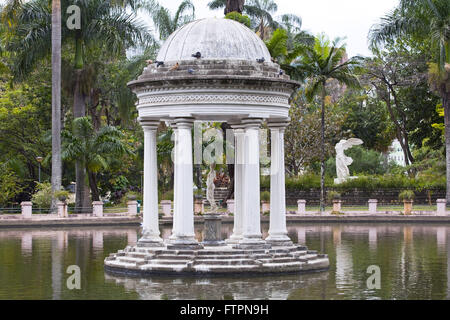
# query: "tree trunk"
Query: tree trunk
93,186
322,155
446,106
82,201
56,178
234,5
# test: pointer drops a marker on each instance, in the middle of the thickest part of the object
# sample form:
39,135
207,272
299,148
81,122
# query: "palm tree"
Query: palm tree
262,10
167,24
92,148
104,24
319,64
56,177
424,19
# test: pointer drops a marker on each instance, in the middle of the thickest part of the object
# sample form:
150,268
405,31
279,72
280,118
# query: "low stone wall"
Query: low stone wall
360,197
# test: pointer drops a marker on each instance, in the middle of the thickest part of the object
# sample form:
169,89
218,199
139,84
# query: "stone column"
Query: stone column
183,236
277,230
150,224
27,209
251,237
239,136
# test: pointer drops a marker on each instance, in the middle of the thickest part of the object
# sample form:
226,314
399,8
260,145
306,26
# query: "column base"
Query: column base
188,243
213,243
280,242
252,243
279,239
150,241
233,239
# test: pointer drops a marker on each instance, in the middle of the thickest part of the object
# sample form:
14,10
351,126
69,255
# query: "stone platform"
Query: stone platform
223,260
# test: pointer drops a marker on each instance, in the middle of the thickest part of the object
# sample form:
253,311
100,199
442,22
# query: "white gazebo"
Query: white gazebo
216,70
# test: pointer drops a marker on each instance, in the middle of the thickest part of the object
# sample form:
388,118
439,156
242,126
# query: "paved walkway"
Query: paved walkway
52,220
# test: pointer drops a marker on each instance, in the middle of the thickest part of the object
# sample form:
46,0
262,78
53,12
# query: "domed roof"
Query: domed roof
214,38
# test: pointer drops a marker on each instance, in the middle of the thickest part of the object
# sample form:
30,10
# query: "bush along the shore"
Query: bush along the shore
363,182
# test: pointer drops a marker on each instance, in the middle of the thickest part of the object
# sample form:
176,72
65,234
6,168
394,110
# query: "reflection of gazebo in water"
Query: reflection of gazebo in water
215,70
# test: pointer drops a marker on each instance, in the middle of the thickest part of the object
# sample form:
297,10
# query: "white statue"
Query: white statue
210,186
342,161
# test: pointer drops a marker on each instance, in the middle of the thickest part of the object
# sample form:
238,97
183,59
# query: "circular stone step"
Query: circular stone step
215,261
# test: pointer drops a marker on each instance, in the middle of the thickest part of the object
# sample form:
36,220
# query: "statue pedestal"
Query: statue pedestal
342,180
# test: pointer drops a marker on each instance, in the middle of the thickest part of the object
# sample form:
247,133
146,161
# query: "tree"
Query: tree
56,177
430,20
262,10
167,24
93,148
303,142
105,24
321,63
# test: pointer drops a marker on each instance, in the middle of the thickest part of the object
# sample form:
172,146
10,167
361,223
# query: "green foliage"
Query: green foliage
62,195
364,162
42,198
9,186
168,195
236,16
265,196
406,195
333,195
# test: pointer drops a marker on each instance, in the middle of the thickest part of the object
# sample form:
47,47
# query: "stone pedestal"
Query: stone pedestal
373,205
132,207
301,207
265,206
441,207
407,206
166,206
212,235
337,205
97,209
62,209
27,209
230,206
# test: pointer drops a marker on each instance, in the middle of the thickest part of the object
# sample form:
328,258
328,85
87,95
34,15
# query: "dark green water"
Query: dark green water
414,262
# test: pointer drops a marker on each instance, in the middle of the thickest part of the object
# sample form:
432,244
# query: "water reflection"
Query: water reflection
414,262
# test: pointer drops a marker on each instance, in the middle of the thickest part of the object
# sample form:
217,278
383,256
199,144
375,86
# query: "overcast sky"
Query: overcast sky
337,18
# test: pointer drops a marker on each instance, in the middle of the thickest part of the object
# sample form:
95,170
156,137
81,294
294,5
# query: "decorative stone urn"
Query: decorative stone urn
166,206
407,206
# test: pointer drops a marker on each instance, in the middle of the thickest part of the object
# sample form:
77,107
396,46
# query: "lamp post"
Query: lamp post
39,160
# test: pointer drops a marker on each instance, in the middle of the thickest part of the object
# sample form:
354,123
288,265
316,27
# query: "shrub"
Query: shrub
236,16
9,186
62,195
43,196
168,195
265,196
333,195
406,195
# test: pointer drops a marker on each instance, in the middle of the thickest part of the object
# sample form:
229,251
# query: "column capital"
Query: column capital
278,123
149,124
183,123
251,123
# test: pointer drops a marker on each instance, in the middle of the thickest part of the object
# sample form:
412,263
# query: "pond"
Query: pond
414,261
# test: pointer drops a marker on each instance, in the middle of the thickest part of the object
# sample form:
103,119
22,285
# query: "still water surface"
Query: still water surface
414,262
